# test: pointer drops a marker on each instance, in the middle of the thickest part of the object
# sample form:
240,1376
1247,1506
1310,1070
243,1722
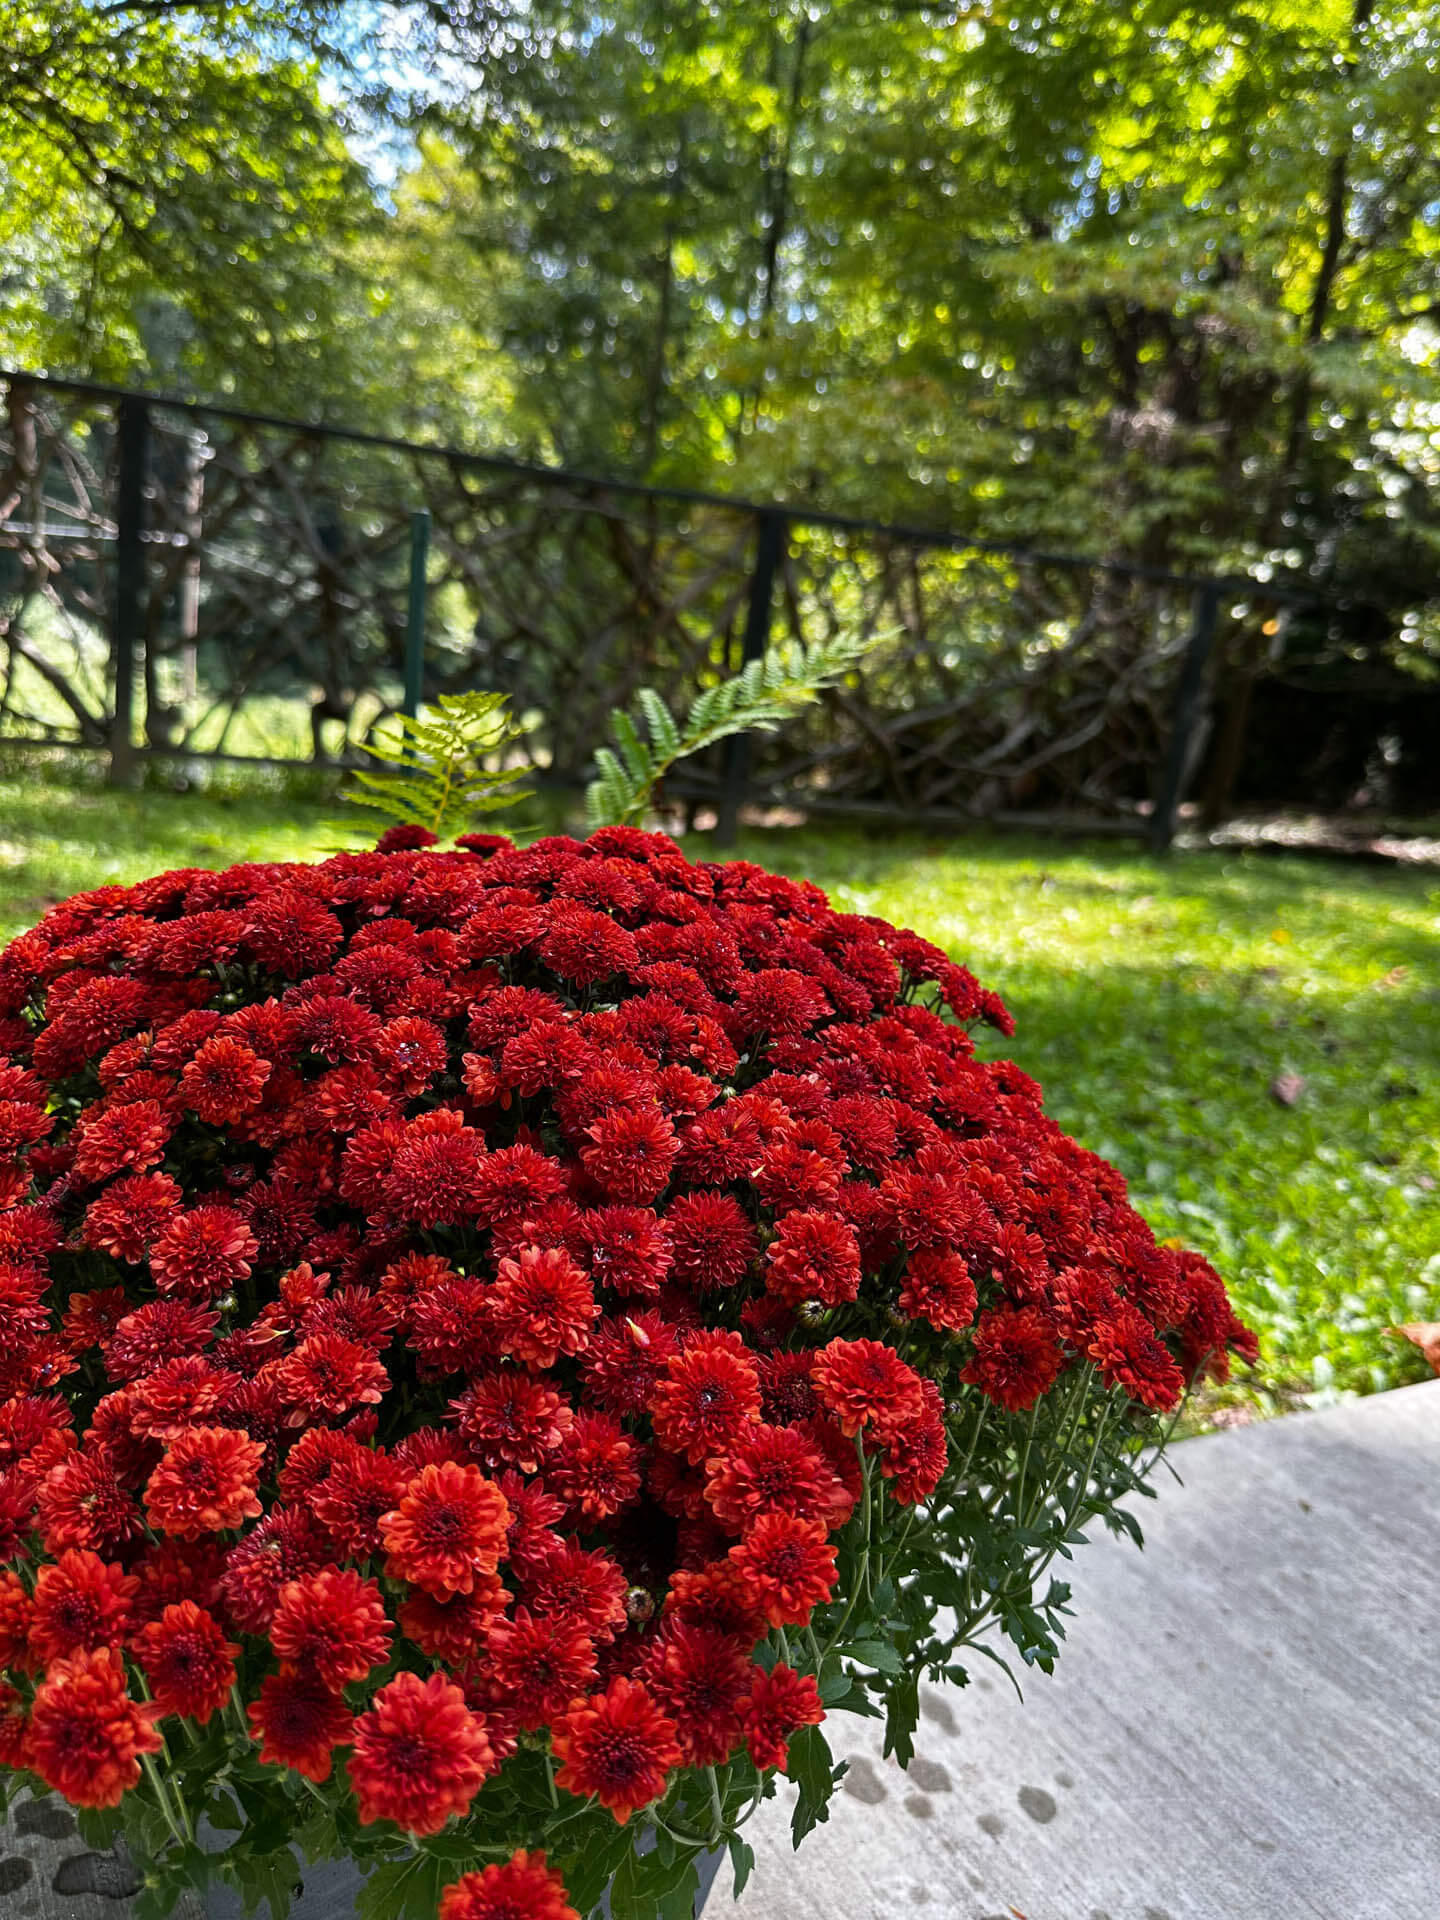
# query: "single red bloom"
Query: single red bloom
81,1503
781,1702
717,1596
330,1374
1017,1356
915,1453
204,1252
434,1171
188,1662
938,1288
814,1256
789,1564
710,1394
420,1754
523,1888
453,1629
129,1138
538,1664
128,1215
629,1250
299,1722
86,1734
586,1588
81,1603
514,1182
597,1468
363,1486
171,1570
713,1240
702,1680
158,1331
287,1544
541,1305
223,1080
774,1470
449,1527
208,1481
14,1727
331,1624
631,1152
618,1746
1131,1355
864,1380
512,1419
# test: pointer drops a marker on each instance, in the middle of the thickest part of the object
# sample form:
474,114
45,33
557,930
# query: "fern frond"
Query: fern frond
430,769
762,696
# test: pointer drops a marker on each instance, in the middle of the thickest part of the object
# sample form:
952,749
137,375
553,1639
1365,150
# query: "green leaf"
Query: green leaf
406,1889
879,1654
742,1860
902,1717
811,1766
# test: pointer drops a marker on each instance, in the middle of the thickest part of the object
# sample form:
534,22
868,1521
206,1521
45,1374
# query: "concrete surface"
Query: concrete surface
1244,1725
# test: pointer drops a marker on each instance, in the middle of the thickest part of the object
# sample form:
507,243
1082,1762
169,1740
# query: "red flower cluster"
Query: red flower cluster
448,1297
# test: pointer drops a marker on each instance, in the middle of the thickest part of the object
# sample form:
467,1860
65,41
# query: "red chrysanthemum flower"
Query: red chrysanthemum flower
512,1419
702,1680
329,1374
938,1288
631,1152
81,1603
331,1624
420,1754
1131,1355
86,1735
618,1746
538,1664
597,1467
223,1080
449,1527
127,1216
208,1481
81,1503
187,1661
299,1722
864,1380
789,1565
541,1305
453,1629
713,1240
710,1394
523,1888
719,1597
629,1250
129,1138
434,1170
361,1487
584,1587
774,1470
1017,1356
814,1256
781,1702
203,1252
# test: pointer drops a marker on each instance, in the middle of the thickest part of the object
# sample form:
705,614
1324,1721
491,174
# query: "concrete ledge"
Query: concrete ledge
1243,1725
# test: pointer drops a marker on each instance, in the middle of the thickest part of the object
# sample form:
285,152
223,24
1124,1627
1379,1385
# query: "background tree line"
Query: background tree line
1159,282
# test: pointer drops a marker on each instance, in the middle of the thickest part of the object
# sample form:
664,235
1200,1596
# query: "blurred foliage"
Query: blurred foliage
1155,1001
1155,281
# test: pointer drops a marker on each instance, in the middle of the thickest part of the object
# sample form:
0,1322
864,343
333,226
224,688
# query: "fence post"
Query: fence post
132,430
1187,712
771,528
415,619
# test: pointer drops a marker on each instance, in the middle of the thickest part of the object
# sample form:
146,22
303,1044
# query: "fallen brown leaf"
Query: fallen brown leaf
1287,1088
1424,1334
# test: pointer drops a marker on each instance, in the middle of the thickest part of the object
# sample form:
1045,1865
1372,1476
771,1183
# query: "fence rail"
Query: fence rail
203,581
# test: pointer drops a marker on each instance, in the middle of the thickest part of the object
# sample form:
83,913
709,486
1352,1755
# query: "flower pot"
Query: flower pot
331,1887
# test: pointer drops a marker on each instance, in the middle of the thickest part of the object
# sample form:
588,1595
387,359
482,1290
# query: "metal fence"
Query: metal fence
202,581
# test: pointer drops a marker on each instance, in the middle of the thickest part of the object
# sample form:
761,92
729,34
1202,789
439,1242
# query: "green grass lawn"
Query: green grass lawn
1156,1002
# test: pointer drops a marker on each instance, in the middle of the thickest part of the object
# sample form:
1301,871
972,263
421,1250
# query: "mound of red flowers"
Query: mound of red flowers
471,1321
